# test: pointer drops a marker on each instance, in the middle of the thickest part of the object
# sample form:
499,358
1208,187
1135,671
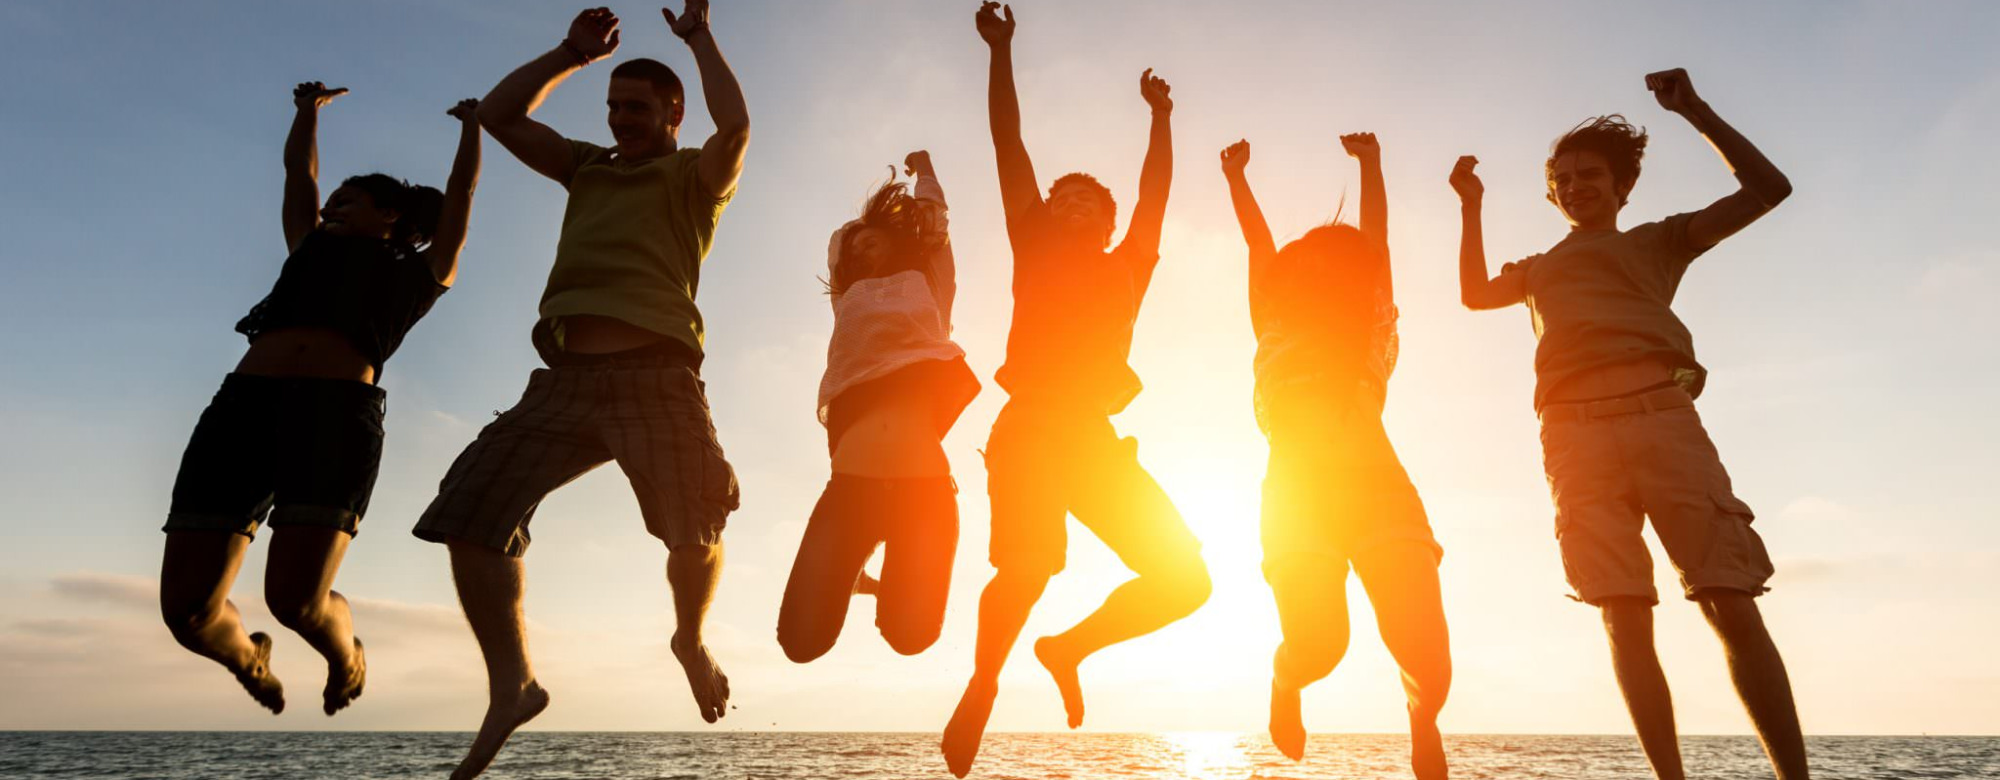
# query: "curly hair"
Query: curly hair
1621,144
417,207
913,231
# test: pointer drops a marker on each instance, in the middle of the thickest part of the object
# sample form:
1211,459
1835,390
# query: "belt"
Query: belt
1646,402
666,352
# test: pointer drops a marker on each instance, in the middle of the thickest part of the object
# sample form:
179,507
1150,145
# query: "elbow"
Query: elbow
1776,191
492,116
1472,302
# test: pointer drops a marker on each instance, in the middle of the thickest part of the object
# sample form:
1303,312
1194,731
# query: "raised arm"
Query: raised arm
1761,185
722,155
457,212
593,35
1475,289
1256,232
930,194
1018,191
1374,196
1156,175
300,209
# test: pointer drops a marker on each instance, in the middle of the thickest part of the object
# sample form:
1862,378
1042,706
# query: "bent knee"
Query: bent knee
190,618
1188,584
1309,658
296,612
803,641
910,635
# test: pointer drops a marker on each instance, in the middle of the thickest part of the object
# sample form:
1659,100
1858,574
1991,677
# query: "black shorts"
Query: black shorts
302,450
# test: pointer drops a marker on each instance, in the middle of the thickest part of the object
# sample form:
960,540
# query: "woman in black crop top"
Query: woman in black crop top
295,433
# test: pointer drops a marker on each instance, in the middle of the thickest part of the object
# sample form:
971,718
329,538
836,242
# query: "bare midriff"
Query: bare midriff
892,440
592,334
318,353
1612,381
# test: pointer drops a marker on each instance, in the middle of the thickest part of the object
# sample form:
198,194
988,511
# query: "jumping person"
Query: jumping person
895,383
622,338
1335,494
1053,451
295,432
1615,383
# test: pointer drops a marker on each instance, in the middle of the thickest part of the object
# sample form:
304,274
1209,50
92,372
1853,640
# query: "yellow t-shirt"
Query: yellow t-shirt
633,238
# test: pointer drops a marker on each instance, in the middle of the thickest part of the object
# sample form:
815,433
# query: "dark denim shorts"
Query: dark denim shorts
299,450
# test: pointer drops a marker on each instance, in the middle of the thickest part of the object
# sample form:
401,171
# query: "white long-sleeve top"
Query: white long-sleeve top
883,324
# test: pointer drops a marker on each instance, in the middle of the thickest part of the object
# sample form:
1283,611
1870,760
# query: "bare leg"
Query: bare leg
916,575
298,586
1139,607
1003,610
1312,611
1629,623
1759,674
825,575
490,586
1402,583
195,574
692,571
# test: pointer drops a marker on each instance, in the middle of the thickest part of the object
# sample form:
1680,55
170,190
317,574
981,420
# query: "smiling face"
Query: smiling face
643,124
1582,186
351,211
868,248
1081,211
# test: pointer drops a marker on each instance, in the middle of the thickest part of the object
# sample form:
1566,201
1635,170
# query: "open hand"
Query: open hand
1673,89
692,19
918,163
466,110
1155,90
1361,146
993,28
312,94
1465,181
594,33
1235,158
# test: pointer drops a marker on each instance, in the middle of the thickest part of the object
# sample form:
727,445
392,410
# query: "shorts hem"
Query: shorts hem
436,536
310,516
202,521
1597,596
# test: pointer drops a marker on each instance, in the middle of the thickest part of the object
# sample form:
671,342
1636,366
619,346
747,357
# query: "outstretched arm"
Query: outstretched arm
593,35
930,196
1256,232
1761,185
1374,196
722,155
1475,289
1156,175
457,213
1018,193
300,209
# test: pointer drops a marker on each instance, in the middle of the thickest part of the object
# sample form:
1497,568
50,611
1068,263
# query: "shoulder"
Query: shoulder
587,153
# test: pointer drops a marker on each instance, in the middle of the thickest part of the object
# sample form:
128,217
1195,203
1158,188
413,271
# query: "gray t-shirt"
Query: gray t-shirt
1603,298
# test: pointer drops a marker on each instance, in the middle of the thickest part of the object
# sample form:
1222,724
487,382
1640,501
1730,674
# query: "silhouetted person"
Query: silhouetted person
295,433
1615,383
1335,495
895,383
1053,451
622,338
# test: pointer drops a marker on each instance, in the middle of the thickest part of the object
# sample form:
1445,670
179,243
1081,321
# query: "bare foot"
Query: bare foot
968,726
1427,749
502,718
343,686
705,678
1062,667
258,680
1288,728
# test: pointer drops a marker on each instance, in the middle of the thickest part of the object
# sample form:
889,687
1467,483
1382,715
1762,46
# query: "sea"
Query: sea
829,756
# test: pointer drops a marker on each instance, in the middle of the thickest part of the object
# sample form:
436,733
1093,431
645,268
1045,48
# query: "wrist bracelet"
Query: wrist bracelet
581,58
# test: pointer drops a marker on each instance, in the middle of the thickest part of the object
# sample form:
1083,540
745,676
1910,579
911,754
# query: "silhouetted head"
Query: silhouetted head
1083,208
382,206
646,104
1324,283
1591,170
893,234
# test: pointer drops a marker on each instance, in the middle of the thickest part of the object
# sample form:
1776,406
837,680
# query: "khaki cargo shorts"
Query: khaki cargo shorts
1611,465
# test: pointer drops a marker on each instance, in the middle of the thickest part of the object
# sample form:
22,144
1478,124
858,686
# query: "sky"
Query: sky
1849,334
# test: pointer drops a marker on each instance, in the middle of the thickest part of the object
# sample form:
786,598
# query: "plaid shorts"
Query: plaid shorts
649,414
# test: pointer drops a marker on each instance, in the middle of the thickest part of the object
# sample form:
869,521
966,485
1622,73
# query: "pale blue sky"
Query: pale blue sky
1850,335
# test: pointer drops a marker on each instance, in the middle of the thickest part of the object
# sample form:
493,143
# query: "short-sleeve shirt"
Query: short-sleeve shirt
1071,339
633,238
371,290
1604,298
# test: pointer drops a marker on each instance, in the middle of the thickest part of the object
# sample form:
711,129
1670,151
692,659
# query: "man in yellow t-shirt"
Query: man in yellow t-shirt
622,338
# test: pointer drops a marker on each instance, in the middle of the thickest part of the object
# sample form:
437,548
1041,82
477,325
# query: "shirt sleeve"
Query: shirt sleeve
582,153
702,207
1668,239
